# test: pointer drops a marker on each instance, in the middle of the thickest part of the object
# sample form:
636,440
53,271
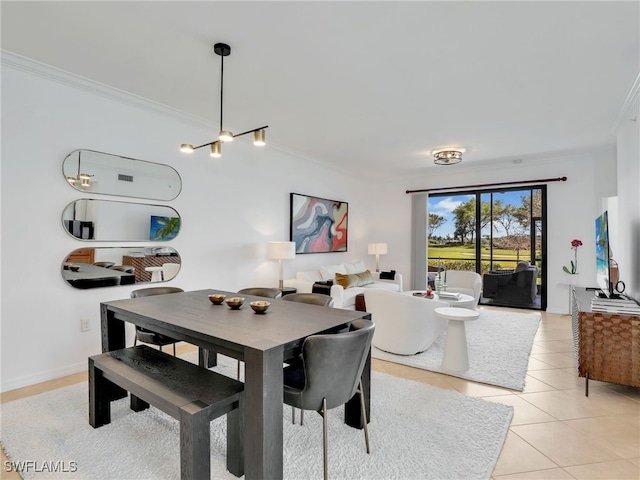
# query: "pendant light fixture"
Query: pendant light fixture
225,136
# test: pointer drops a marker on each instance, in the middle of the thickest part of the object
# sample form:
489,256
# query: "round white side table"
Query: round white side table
456,356
465,301
156,273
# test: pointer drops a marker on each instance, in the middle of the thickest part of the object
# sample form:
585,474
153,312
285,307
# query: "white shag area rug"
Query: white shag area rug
499,345
416,431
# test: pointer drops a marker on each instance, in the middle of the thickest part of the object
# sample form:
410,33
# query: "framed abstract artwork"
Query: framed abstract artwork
318,225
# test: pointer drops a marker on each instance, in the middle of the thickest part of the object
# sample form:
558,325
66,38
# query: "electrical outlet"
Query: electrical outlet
85,325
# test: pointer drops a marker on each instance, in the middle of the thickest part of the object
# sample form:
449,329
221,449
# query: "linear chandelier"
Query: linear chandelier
225,136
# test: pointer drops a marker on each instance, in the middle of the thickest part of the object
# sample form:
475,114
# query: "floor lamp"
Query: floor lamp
377,249
281,251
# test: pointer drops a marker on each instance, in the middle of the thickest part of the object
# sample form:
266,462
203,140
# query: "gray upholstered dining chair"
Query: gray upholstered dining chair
148,336
310,298
262,292
330,374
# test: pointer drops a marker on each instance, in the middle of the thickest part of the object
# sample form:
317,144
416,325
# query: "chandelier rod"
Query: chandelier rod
221,87
236,135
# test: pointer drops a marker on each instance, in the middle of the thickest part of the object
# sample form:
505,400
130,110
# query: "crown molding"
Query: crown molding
33,67
28,65
627,105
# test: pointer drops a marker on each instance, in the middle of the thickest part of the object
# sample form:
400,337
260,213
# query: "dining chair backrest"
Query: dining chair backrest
310,298
333,365
262,292
147,292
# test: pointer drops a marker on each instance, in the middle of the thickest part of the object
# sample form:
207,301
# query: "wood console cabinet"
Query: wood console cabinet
607,344
140,263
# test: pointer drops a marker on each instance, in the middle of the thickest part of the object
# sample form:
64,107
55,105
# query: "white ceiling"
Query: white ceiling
367,86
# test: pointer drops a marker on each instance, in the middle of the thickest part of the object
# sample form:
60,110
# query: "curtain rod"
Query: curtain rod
500,184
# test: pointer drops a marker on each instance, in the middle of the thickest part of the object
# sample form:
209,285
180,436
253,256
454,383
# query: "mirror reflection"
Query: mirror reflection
97,172
106,220
111,266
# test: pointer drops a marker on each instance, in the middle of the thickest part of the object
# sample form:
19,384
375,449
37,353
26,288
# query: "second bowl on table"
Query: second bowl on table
234,302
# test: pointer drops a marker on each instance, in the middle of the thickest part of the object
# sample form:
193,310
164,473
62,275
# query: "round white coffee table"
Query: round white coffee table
456,356
464,301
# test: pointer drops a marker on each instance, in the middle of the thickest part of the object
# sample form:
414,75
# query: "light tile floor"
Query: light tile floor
556,432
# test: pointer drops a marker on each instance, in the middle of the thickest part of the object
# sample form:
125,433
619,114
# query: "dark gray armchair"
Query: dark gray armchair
148,336
330,374
512,287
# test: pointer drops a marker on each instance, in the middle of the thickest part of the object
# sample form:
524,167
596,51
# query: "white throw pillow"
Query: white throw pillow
355,267
328,272
309,276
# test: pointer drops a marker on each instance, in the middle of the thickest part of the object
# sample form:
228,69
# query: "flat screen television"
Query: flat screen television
603,259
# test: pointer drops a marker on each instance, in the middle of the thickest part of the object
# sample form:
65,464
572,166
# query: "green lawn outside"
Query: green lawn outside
462,257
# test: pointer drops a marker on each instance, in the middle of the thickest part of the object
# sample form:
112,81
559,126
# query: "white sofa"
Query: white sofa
405,325
342,297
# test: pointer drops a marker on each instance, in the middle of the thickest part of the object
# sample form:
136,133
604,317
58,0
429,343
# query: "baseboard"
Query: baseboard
39,377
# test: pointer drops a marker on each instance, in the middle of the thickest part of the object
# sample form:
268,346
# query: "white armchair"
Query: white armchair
405,324
460,281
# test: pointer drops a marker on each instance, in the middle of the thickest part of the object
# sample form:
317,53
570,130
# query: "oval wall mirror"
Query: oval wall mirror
112,266
97,172
112,221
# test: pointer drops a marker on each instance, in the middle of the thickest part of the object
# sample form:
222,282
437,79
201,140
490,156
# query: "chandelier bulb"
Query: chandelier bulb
225,136
186,148
259,138
215,150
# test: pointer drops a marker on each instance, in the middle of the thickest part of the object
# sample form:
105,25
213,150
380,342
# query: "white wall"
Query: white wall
230,209
627,253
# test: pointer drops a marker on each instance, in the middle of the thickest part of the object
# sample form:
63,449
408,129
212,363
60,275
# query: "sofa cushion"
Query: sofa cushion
309,276
355,279
391,287
522,265
328,272
354,267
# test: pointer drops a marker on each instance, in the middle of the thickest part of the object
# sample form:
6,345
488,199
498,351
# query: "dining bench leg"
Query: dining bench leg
195,460
99,404
235,440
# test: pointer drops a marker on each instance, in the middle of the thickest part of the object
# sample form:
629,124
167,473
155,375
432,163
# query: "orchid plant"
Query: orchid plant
575,243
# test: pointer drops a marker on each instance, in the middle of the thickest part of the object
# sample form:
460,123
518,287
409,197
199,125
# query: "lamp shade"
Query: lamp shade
281,250
377,249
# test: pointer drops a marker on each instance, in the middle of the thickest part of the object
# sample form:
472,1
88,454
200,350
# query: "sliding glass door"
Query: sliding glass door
497,233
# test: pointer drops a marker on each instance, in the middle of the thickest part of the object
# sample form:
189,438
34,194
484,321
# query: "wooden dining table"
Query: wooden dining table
262,341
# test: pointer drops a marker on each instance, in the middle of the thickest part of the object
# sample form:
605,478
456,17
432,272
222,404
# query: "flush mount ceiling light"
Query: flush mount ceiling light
224,50
448,156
